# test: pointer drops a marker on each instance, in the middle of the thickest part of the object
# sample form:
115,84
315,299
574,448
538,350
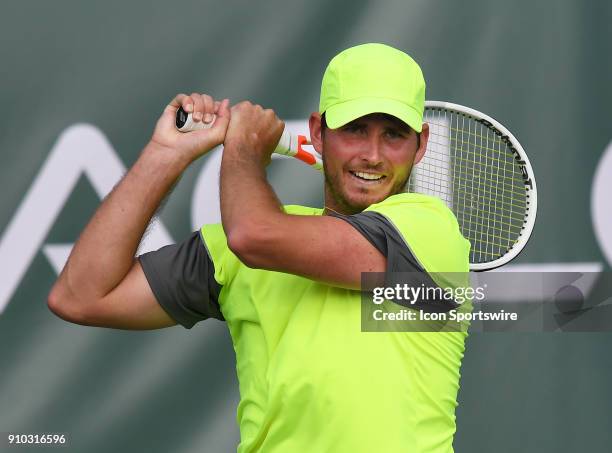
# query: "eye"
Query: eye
394,134
353,128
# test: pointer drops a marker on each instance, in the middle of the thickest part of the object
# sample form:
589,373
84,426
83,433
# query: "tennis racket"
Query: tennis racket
474,164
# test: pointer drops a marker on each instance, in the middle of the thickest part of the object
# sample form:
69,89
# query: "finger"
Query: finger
216,105
219,127
209,107
224,110
272,116
175,103
178,100
185,102
243,105
198,107
223,114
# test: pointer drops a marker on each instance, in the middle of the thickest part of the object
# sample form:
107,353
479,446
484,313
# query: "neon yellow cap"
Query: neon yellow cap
372,78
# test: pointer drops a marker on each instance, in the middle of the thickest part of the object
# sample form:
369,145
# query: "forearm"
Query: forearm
104,252
247,199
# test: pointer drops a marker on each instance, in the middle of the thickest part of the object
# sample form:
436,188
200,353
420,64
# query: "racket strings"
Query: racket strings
482,170
479,147
427,166
473,170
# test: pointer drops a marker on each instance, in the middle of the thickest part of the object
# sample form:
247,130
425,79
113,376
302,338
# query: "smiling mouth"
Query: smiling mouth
368,177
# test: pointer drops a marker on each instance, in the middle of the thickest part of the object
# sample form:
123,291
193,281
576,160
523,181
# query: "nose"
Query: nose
372,152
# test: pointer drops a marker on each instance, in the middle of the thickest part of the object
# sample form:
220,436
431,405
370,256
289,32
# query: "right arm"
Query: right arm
102,284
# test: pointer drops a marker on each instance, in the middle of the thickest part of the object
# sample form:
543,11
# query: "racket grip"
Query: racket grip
291,145
288,145
185,123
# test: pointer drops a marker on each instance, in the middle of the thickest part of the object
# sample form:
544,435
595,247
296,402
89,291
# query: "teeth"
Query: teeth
369,176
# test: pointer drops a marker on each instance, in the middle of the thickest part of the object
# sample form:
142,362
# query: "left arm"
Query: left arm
322,248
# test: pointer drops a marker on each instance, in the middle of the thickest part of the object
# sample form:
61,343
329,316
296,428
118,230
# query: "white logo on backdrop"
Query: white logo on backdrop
601,206
80,150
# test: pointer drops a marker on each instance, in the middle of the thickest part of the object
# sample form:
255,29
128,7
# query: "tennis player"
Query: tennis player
284,278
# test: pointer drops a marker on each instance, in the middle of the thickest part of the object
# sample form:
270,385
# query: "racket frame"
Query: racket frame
522,160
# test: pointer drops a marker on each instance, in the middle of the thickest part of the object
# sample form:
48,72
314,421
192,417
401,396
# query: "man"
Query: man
284,278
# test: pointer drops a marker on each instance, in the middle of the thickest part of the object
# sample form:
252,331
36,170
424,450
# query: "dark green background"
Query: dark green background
542,68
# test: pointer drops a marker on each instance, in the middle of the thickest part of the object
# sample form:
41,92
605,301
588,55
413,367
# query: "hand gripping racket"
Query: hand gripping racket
475,165
289,144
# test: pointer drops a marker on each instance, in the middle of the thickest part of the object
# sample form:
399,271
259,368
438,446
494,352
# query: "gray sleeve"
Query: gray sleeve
401,262
383,235
182,278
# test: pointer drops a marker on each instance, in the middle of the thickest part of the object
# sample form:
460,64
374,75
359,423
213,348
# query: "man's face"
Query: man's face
366,160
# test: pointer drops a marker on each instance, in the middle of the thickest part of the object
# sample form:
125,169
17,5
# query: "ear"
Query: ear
314,123
423,146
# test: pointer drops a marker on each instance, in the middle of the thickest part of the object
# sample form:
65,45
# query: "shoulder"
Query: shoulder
417,209
181,277
429,228
413,201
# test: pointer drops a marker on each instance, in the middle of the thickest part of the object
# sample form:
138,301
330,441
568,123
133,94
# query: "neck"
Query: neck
327,211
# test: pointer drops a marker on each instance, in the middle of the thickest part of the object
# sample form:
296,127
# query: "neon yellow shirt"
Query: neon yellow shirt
311,380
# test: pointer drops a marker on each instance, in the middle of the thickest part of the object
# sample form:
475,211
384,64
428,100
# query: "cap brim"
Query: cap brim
340,114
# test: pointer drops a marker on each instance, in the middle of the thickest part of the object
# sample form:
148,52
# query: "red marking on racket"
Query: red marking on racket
303,155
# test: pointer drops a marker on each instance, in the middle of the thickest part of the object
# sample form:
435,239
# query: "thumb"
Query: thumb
221,122
223,115
168,117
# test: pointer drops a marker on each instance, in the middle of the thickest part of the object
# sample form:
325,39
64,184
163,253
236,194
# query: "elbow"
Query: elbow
249,245
62,305
55,300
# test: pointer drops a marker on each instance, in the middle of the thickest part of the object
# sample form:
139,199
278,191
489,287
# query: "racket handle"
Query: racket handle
288,145
291,145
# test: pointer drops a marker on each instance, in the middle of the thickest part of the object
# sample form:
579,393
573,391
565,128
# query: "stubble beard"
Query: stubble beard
333,186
